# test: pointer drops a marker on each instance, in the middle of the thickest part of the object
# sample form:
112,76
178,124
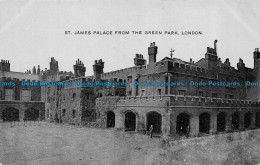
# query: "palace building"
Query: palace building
180,109
17,101
172,110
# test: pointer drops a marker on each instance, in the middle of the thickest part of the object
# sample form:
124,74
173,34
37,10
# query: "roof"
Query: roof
176,60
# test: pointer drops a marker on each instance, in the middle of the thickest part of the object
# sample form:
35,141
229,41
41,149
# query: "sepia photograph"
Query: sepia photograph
120,82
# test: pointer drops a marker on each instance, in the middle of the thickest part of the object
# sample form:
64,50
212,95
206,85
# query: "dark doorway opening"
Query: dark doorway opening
183,124
10,114
247,120
221,122
155,119
110,119
204,123
235,120
31,114
257,119
130,121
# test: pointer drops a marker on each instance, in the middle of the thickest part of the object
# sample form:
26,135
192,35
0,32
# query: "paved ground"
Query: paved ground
50,144
60,144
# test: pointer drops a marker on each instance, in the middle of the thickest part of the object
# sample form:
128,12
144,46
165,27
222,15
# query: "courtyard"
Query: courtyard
55,144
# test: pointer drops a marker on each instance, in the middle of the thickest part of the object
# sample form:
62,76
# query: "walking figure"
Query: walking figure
151,131
187,130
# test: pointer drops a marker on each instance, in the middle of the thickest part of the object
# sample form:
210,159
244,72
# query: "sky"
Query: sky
31,32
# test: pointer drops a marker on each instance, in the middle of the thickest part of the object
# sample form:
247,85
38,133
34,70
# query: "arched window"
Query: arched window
155,119
235,121
73,113
110,119
247,119
204,122
63,112
130,121
221,122
73,96
183,124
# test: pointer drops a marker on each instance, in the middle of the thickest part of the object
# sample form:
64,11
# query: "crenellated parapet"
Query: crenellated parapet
186,101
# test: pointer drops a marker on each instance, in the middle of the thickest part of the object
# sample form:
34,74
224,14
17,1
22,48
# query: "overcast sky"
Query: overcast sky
31,32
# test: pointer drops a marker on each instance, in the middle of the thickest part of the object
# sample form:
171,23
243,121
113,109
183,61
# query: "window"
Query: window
129,79
181,92
63,112
130,93
73,113
48,90
142,92
25,95
8,94
159,92
73,96
201,93
231,96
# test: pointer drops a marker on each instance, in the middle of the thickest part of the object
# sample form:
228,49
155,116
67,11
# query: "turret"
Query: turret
240,65
211,57
98,69
54,66
79,69
34,70
152,52
38,70
139,60
256,58
253,92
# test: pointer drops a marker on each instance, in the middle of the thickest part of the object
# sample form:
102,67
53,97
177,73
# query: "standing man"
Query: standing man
188,130
151,131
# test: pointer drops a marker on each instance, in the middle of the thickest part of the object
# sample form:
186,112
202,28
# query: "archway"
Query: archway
130,121
10,114
110,119
31,114
247,120
183,124
155,119
257,119
204,122
235,120
221,122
